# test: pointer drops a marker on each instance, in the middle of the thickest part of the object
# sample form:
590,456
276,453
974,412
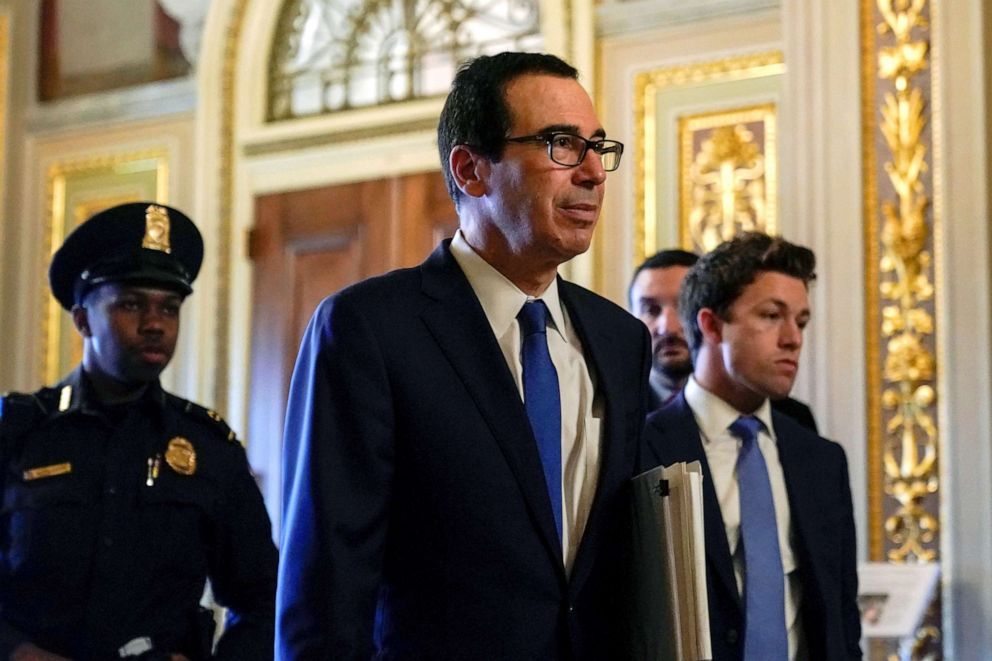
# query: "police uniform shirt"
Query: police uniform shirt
113,518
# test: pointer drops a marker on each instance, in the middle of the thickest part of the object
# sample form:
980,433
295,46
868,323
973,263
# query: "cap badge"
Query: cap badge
181,456
156,229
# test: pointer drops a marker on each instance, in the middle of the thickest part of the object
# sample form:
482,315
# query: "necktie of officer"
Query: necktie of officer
765,636
542,398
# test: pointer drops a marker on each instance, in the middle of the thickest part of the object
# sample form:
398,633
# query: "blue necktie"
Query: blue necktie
542,397
765,636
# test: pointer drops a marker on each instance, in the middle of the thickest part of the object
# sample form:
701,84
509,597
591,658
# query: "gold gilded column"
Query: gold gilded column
901,283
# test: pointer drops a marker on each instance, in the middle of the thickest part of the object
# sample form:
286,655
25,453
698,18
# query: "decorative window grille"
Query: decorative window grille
332,55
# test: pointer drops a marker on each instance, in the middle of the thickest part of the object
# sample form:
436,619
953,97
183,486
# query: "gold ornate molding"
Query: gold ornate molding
901,284
728,176
99,182
647,85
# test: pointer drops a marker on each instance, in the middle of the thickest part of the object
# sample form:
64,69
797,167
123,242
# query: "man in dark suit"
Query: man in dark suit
653,298
779,525
459,434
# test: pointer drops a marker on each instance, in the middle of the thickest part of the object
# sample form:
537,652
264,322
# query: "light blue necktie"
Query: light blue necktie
765,637
542,397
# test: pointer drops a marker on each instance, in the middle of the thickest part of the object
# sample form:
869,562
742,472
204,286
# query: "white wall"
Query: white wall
961,60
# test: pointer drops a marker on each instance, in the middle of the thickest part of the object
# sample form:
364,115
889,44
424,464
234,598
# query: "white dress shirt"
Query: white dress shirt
714,416
581,409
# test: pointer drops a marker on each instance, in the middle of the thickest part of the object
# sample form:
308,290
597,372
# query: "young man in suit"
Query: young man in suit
653,297
779,524
459,434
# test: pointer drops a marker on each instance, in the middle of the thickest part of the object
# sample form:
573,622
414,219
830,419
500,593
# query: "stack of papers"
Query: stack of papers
670,607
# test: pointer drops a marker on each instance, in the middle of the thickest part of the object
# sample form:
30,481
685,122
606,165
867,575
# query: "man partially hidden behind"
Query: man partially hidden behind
653,298
459,434
120,499
778,516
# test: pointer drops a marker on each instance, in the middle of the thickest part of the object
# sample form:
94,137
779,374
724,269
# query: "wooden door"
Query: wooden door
307,245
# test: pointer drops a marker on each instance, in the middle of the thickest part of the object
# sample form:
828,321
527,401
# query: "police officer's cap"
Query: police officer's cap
139,242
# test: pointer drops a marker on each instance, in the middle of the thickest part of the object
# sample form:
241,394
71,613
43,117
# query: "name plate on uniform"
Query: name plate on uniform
47,471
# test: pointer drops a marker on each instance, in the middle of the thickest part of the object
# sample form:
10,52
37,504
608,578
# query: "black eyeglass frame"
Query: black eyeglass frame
601,146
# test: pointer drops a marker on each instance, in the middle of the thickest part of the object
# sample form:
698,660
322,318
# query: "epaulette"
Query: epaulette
208,416
20,412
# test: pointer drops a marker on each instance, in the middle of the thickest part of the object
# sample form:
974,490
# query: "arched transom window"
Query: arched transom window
332,55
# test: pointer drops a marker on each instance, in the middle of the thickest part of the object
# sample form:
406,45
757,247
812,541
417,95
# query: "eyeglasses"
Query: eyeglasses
568,149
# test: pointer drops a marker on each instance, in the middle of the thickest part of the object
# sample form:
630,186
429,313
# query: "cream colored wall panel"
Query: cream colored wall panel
821,198
962,43
621,59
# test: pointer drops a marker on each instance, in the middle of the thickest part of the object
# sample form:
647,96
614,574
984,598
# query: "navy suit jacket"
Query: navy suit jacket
417,521
816,480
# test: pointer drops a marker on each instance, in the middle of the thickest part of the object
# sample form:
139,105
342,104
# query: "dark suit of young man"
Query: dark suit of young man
779,524
420,521
816,478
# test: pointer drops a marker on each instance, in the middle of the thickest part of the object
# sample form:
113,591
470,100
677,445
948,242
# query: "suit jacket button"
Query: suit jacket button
732,636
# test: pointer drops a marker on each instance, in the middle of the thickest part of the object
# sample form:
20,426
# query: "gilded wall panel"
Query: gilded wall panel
76,190
901,316
705,152
727,175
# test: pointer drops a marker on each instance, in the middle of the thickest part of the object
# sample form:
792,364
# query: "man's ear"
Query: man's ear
710,325
80,320
469,170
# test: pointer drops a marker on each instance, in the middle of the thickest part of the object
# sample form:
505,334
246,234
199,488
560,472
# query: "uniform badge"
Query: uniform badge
181,456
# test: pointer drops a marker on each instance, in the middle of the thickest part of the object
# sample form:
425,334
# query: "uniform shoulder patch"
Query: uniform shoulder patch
208,416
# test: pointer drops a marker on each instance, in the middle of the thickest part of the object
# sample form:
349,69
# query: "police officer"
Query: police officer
120,499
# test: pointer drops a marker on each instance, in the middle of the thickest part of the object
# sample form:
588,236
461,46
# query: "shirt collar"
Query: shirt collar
501,299
714,416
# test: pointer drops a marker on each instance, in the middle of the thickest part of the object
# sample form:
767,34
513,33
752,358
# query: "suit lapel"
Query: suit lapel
598,350
678,439
802,482
458,323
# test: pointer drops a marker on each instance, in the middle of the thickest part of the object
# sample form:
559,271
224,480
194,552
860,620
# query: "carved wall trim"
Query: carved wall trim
646,87
117,178
902,281
225,195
